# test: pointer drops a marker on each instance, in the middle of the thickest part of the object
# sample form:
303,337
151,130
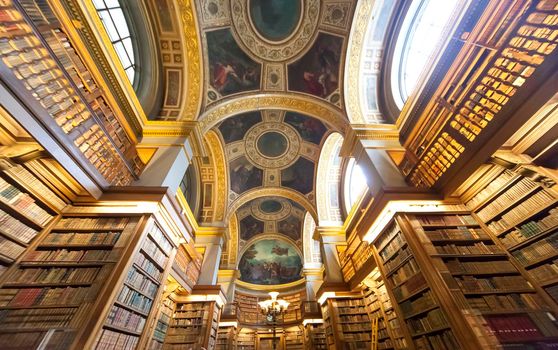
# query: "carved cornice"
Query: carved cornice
291,102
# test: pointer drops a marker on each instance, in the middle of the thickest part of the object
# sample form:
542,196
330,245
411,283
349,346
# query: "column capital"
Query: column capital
313,273
211,235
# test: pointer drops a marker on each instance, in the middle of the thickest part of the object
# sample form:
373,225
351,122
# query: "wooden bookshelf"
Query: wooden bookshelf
226,338
166,309
55,285
246,339
380,307
194,324
130,310
294,338
482,280
347,322
315,336
523,215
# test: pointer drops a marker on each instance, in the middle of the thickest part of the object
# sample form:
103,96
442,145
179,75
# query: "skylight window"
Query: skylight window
118,31
422,31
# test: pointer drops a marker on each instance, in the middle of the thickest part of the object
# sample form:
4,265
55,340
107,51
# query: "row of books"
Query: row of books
503,201
531,229
126,319
96,223
442,341
64,255
28,297
406,271
523,210
362,254
55,275
432,320
457,266
353,318
23,202
545,272
82,238
478,248
413,285
423,302
10,249
392,247
22,175
132,298
156,254
145,264
495,185
111,340
387,235
364,326
14,228
513,327
139,281
161,239
445,220
461,233
496,283
36,318
396,260
506,302
546,247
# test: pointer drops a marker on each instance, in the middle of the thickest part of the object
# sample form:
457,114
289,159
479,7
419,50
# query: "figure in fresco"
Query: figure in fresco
310,129
244,175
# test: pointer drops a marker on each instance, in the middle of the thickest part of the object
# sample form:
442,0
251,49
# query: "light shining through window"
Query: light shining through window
115,24
355,184
420,34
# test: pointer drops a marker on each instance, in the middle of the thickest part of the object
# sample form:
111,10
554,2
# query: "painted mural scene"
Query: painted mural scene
317,73
231,70
270,261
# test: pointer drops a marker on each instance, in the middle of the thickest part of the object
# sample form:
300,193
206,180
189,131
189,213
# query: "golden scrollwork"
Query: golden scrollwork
193,63
290,102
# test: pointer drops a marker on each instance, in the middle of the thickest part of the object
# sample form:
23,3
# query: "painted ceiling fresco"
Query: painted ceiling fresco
270,261
287,49
274,215
272,149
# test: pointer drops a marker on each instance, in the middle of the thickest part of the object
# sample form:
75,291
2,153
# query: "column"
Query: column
330,238
212,240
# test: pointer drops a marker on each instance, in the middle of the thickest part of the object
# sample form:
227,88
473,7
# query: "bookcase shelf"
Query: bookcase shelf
132,306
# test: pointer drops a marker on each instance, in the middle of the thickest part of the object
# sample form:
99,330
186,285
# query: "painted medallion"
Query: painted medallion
275,20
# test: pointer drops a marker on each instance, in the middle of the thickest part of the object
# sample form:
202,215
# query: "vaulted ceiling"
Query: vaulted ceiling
273,93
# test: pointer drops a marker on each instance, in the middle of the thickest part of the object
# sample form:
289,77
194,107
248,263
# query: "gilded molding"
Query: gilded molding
352,65
290,102
272,191
193,89
220,194
271,51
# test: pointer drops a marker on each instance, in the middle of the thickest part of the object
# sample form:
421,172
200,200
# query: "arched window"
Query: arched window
355,184
118,30
422,31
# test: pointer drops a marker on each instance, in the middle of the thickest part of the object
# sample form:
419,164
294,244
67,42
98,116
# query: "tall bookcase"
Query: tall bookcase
246,339
347,322
294,338
138,291
226,338
27,206
315,336
166,309
51,292
523,215
380,307
194,324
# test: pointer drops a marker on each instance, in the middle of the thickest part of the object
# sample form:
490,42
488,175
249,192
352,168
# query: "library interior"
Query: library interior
396,161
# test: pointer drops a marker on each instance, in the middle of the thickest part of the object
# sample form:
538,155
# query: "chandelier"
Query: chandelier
271,309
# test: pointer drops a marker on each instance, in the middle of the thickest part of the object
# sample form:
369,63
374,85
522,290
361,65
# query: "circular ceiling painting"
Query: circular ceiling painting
275,20
270,206
270,261
272,144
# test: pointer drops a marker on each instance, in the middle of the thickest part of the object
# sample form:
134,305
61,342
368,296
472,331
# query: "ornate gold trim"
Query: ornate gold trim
355,45
220,193
261,287
286,101
272,191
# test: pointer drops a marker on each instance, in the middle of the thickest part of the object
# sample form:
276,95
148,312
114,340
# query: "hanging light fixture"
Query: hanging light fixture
271,309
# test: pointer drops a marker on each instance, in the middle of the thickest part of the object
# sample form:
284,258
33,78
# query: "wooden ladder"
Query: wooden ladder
374,339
